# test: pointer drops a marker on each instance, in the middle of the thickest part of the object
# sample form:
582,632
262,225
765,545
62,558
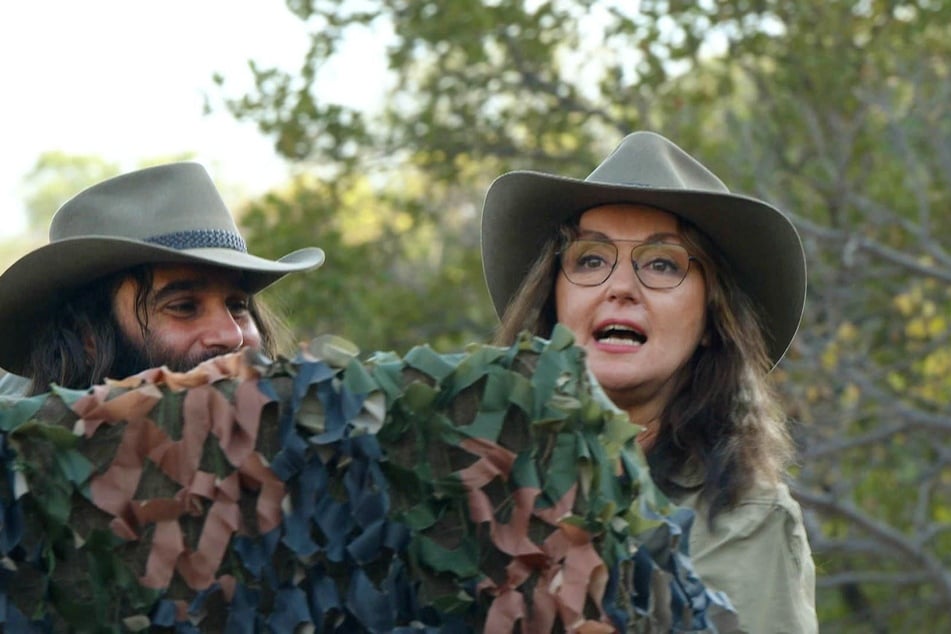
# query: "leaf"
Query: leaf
335,351
424,359
16,412
75,466
562,469
357,379
462,562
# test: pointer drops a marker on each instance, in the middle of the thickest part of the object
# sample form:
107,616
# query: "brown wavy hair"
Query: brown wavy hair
724,419
61,354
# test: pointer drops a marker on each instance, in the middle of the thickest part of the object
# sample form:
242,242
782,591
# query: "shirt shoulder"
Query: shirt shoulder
759,555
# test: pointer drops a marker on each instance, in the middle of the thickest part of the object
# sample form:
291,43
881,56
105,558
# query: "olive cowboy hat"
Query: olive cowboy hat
165,214
523,209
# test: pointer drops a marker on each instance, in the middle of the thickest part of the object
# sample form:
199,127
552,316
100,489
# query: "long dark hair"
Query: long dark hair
724,421
81,343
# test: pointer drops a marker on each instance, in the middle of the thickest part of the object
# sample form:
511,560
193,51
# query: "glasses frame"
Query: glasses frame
617,258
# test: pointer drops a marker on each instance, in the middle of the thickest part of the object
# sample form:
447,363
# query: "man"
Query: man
142,270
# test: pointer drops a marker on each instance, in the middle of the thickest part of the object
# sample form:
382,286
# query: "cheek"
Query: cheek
699,323
680,317
570,305
251,334
563,300
176,341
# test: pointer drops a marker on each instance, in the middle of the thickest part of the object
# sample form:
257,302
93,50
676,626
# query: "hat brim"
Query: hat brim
523,209
33,285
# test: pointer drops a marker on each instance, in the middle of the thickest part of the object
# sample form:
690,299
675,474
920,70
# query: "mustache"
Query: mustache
160,355
132,357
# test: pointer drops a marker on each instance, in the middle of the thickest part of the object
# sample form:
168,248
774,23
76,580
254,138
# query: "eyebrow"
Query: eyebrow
197,282
179,286
654,237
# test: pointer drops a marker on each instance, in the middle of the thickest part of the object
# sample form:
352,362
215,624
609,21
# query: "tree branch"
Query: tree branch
892,539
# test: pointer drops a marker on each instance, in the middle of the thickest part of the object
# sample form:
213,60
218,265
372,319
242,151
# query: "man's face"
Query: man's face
192,312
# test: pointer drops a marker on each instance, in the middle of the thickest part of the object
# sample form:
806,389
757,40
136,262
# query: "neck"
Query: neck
650,427
643,407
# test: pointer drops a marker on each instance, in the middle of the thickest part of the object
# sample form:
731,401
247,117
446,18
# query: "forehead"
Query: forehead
630,221
195,274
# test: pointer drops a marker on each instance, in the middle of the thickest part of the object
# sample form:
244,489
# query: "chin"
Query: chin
614,379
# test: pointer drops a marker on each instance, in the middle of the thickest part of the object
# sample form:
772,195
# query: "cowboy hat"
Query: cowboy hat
165,214
523,209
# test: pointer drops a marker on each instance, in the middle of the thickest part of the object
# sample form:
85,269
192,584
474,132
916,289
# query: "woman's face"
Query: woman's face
637,339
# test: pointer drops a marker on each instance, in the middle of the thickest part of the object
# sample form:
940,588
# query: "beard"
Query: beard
132,357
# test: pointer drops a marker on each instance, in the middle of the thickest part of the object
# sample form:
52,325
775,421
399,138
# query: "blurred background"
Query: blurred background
372,128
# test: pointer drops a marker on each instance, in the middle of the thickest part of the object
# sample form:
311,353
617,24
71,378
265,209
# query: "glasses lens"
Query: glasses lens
660,265
588,262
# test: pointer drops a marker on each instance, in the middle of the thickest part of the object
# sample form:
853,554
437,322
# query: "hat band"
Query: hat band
200,239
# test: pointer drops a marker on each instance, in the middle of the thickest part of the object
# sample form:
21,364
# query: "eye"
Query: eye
240,306
662,265
591,261
590,255
662,259
181,307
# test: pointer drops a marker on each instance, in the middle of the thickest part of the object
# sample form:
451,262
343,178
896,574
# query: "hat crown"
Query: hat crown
177,199
646,159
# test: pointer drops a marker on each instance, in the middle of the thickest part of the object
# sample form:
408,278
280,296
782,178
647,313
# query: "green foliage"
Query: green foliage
56,177
396,271
465,492
834,110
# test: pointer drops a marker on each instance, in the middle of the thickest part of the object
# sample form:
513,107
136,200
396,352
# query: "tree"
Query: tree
396,268
837,111
58,176
55,177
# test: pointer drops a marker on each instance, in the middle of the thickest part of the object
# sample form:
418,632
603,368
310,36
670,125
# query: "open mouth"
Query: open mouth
619,334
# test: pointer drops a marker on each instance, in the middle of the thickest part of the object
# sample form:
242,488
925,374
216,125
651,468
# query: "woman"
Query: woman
684,296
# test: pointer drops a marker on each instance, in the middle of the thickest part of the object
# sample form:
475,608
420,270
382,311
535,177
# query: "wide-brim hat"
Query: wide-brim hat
523,209
165,214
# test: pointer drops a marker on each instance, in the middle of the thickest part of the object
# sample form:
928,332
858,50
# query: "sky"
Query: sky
125,80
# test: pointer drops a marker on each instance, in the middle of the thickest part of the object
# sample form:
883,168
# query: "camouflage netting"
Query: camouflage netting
493,490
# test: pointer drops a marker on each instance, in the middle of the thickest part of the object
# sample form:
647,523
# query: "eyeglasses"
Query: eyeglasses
658,265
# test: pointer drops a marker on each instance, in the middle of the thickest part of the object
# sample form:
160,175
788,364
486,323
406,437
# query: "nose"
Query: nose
222,331
623,282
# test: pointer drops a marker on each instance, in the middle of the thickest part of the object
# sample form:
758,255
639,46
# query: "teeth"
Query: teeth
621,341
620,334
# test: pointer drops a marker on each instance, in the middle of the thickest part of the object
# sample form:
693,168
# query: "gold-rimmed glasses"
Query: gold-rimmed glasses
658,265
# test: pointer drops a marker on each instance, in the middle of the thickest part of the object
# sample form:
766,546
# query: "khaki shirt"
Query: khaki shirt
758,554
